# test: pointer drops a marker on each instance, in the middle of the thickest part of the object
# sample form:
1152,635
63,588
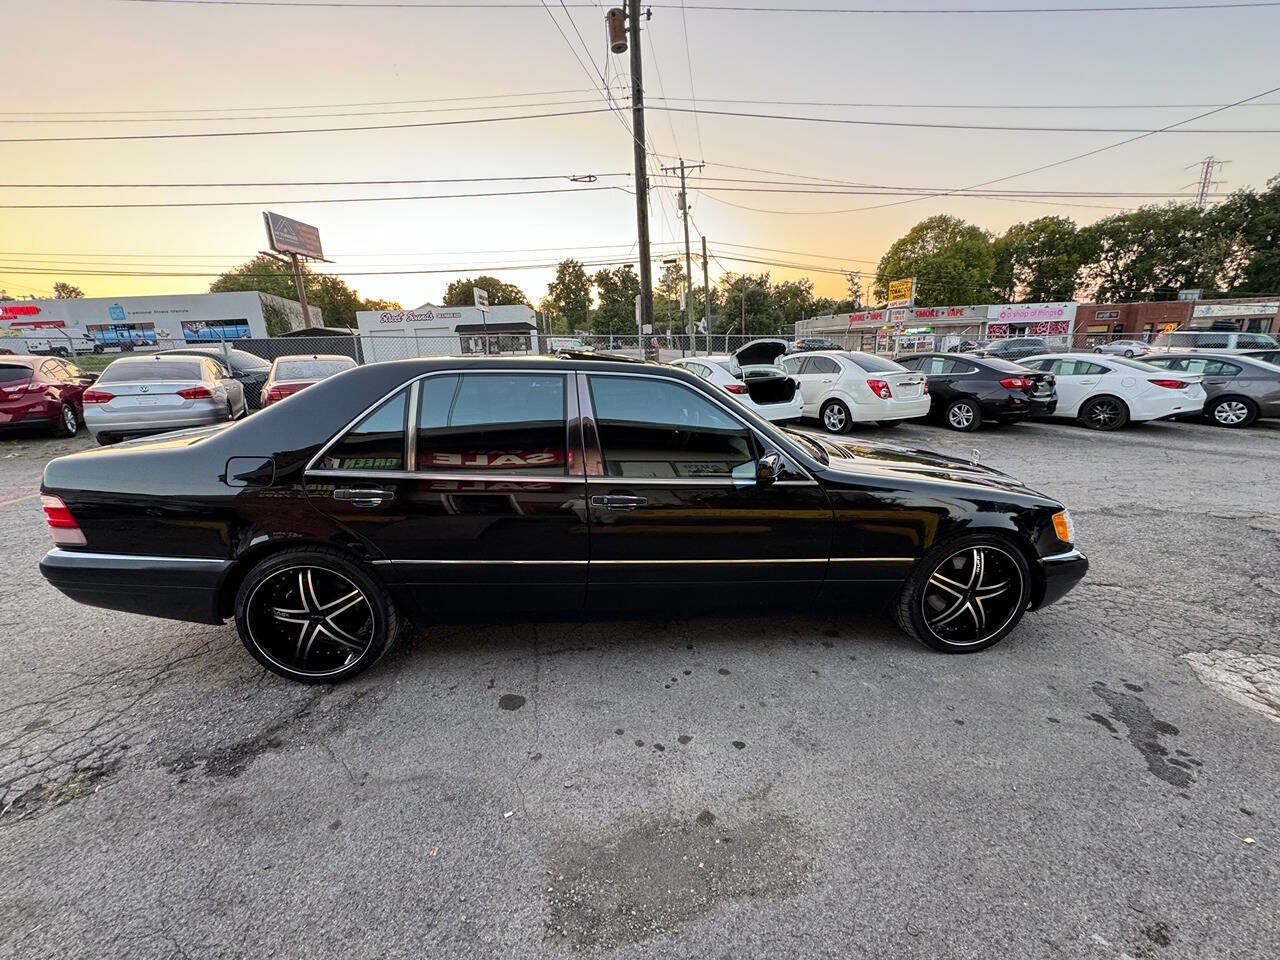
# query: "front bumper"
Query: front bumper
175,588
1059,573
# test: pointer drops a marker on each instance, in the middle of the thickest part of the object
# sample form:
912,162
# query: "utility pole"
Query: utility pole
1204,186
620,37
706,294
302,290
688,258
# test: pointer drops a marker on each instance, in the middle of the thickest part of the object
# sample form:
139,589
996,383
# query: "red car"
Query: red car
290,374
42,392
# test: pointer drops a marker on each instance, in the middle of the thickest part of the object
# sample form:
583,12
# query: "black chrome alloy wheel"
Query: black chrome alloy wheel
313,616
1105,413
966,596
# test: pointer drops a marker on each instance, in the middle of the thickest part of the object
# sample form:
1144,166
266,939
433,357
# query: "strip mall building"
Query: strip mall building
1064,325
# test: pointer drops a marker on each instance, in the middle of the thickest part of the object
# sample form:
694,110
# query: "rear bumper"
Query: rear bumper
1059,573
35,413
1015,406
897,408
793,409
176,588
137,423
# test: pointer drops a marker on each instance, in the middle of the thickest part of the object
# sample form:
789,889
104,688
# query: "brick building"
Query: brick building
1138,321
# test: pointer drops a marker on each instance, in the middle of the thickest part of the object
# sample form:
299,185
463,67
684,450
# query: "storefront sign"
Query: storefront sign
1254,309
22,310
902,292
412,316
1045,328
1032,312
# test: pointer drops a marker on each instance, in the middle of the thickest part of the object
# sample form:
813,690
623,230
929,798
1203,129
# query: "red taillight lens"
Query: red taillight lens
97,396
738,388
195,393
63,526
1015,383
924,386
880,388
1171,384
274,394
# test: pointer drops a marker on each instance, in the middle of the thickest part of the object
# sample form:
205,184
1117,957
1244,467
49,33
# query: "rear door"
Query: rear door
818,375
469,484
678,519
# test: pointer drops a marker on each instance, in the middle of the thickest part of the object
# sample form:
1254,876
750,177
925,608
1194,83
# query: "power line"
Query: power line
260,203
473,268
266,133
688,59
584,177
709,8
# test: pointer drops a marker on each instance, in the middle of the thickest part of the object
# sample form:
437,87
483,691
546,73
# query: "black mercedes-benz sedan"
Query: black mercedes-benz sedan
490,489
966,390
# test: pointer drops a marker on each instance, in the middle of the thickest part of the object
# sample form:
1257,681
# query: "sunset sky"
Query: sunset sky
91,67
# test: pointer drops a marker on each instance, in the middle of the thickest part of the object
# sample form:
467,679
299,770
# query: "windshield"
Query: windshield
310,369
150,371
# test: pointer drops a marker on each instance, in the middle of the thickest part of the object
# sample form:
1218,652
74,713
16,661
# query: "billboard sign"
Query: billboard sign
292,236
482,298
902,292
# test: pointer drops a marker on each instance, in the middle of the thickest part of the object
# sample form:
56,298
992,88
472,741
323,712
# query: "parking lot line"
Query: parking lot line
29,496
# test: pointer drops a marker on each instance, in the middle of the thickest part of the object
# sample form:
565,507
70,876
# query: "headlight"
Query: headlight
1063,527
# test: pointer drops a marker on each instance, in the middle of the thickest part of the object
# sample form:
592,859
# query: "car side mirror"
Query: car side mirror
769,468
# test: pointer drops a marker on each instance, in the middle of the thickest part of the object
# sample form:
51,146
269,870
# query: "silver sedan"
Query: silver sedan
1124,348
137,395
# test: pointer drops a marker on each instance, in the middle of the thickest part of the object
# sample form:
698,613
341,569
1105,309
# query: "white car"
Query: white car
763,387
1105,393
843,387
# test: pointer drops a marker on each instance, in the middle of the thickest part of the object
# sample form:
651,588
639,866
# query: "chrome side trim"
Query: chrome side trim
460,476
411,428
625,563
1072,554
148,558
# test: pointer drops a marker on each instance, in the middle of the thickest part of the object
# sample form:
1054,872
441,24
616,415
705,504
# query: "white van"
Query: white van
1212,341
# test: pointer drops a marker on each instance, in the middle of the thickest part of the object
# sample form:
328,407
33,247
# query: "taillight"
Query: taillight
924,386
97,396
195,393
880,388
1171,384
1015,383
738,388
62,525
274,394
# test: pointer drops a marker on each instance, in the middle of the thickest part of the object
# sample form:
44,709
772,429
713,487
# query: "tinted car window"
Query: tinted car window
960,368
375,443
310,369
873,364
509,422
149,371
1210,367
655,428
1248,340
792,364
933,366
913,363
11,372
821,365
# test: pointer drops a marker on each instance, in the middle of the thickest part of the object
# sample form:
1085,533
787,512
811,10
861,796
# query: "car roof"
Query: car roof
315,356
23,358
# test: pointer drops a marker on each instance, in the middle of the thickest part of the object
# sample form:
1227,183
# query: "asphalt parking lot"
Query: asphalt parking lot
1102,784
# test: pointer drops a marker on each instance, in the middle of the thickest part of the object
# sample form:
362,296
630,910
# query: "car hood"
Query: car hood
858,458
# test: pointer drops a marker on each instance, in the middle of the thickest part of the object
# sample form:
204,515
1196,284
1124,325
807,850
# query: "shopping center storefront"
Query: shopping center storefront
942,328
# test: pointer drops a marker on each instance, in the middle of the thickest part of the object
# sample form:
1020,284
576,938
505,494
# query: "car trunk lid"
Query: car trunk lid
768,385
147,395
759,352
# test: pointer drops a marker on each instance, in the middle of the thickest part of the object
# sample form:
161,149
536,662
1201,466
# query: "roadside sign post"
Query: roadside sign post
295,240
482,304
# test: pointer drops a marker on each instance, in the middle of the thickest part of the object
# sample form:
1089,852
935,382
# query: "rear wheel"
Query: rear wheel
1104,413
966,594
964,414
835,417
1232,412
314,616
67,424
106,439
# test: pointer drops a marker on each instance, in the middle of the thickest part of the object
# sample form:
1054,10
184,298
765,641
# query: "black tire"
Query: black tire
1129,354
68,423
290,592
1104,413
1232,412
963,414
835,417
107,439
1097,349
944,609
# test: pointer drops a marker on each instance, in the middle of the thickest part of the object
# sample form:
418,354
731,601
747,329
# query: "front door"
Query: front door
678,518
489,519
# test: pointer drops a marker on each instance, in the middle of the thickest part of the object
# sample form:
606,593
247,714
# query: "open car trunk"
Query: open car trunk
768,384
760,352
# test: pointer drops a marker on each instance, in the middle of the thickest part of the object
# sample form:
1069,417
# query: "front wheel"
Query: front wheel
67,424
314,616
964,414
1232,412
1104,413
836,417
966,594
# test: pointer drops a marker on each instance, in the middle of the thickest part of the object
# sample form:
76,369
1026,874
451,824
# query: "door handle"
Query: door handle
363,498
828,380
618,502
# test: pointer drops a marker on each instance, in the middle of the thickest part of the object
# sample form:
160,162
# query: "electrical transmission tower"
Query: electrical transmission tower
1204,186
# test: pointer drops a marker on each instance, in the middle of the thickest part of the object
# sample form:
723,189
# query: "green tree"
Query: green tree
1154,251
951,260
749,305
1247,227
568,299
667,313
337,302
616,291
1040,261
793,299
458,293
66,291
